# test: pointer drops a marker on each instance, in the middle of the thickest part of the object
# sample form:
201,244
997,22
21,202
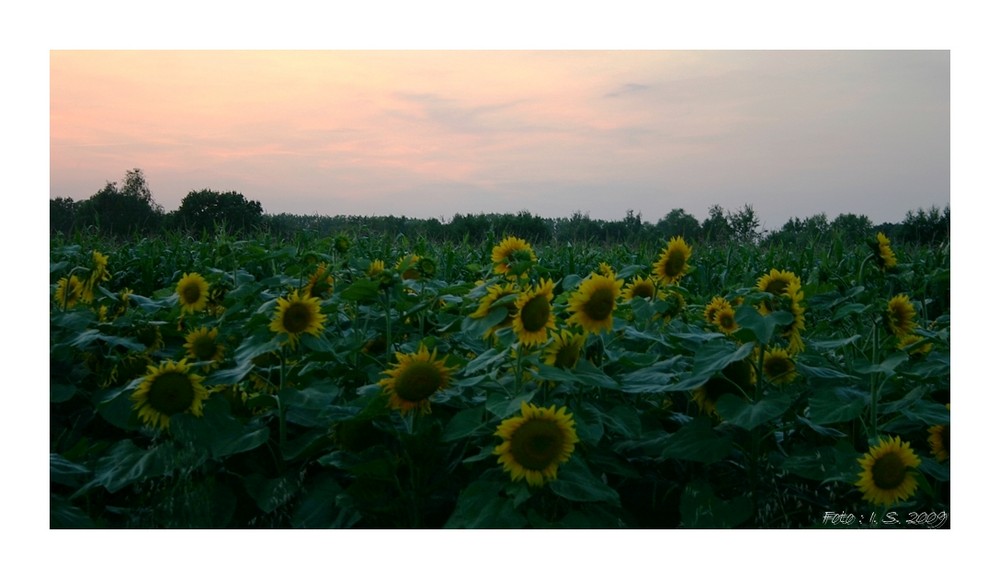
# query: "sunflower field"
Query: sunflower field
375,382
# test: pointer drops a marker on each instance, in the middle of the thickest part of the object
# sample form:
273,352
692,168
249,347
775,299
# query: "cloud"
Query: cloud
627,89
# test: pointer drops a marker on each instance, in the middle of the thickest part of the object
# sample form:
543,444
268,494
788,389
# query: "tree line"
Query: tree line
128,209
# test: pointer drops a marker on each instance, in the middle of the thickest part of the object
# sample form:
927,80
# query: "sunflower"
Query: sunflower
512,256
192,293
786,290
673,304
202,345
377,267
320,283
899,316
940,442
536,443
408,266
69,291
493,295
98,273
725,319
883,253
564,351
641,287
775,283
779,366
713,307
673,262
296,316
534,314
737,379
605,269
594,302
167,390
413,379
885,476
341,244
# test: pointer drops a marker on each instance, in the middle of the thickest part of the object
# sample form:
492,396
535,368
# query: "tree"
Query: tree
716,227
744,224
678,222
852,228
62,215
122,210
205,210
801,231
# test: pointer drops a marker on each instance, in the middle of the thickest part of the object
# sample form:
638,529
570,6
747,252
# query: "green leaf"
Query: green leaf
362,290
464,423
850,309
832,405
887,366
822,373
66,472
270,494
762,327
60,392
503,407
575,482
126,463
217,431
624,420
825,345
740,413
825,463
934,469
482,506
317,509
696,441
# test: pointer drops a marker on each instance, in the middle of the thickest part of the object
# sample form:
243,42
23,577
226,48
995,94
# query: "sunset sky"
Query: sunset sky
435,133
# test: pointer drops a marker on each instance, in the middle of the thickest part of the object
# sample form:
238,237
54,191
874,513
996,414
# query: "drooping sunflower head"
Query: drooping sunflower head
168,390
673,304
494,294
673,262
203,345
886,475
69,291
914,345
565,349
534,316
407,266
342,244
98,273
377,267
414,378
780,284
884,256
320,283
779,366
737,379
192,293
297,315
594,302
641,287
900,316
605,269
513,256
536,443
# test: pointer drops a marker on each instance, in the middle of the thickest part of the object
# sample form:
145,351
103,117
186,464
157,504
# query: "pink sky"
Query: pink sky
434,133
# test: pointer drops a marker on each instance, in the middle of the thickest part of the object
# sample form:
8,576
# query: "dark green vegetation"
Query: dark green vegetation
305,437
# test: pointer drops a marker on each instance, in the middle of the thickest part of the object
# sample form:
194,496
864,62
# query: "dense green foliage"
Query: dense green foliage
304,436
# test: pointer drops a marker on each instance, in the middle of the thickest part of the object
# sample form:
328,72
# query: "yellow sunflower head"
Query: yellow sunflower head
98,273
594,302
192,293
884,256
512,257
605,269
673,262
779,366
565,349
779,284
168,390
940,441
69,292
297,315
536,443
725,319
900,316
737,379
641,287
713,307
203,345
673,304
413,379
534,314
320,283
886,475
